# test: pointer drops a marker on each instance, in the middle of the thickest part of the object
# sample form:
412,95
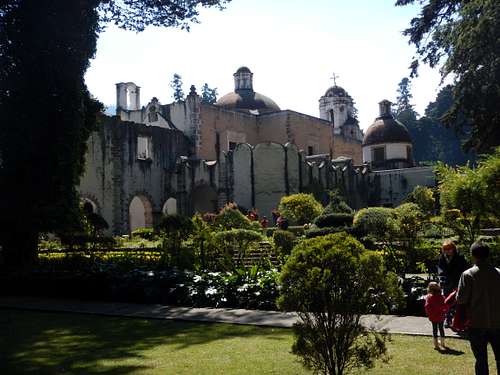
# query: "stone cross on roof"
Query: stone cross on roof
334,77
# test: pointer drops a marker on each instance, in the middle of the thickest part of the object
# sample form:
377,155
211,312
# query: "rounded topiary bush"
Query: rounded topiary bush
232,218
377,221
334,220
300,208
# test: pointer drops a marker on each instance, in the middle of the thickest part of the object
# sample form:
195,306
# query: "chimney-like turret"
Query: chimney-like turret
385,108
243,79
128,96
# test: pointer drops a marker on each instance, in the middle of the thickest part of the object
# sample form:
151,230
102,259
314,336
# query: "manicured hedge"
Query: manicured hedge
334,220
316,232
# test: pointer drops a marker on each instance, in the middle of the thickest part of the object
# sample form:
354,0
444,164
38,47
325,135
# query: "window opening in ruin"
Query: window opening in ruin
378,154
143,148
310,150
152,115
408,152
232,145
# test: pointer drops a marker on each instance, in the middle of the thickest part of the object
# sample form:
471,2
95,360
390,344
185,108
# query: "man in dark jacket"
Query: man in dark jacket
479,292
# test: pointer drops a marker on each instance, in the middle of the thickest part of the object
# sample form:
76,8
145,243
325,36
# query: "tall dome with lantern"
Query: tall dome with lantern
244,98
387,143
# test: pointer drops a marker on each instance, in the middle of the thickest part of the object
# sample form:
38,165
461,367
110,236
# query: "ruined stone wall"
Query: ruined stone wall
391,187
114,174
96,183
260,176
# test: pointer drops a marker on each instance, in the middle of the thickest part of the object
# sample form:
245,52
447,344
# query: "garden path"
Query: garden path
411,325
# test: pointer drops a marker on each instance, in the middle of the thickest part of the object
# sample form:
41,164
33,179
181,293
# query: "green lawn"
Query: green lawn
52,343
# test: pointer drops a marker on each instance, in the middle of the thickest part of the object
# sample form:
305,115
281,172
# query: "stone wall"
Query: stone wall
252,176
114,175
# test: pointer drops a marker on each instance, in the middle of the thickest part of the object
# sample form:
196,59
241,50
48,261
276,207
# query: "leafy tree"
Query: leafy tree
423,196
47,113
375,221
330,282
176,85
488,173
202,239
283,241
469,196
175,229
461,36
236,241
300,208
337,204
208,95
409,222
229,218
461,199
443,143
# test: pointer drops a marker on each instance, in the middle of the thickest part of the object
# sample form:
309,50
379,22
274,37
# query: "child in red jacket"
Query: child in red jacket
436,309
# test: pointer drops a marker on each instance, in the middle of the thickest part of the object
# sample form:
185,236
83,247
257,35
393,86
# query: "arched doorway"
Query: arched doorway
204,199
170,207
89,206
140,213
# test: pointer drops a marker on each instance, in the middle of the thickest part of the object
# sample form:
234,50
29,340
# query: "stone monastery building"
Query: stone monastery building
190,156
245,116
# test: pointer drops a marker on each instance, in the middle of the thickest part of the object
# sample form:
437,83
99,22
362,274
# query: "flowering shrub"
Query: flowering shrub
242,288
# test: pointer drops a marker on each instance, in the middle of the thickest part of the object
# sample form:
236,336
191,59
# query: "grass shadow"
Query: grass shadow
53,343
450,351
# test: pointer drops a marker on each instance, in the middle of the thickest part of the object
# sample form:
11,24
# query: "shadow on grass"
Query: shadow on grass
450,351
53,343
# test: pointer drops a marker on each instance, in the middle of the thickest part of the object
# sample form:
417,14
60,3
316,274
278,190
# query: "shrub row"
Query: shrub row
334,220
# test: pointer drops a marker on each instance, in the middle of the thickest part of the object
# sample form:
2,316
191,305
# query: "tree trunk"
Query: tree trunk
19,249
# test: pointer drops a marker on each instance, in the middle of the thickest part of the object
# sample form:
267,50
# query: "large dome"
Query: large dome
386,129
244,98
247,100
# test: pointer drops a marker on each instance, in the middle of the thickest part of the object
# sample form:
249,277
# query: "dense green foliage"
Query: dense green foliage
43,58
337,204
461,37
300,208
469,197
330,281
236,241
283,241
334,220
377,221
423,197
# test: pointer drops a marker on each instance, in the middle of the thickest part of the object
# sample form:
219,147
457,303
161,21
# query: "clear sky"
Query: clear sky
293,47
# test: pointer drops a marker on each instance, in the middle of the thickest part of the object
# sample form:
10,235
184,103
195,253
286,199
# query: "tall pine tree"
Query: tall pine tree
176,85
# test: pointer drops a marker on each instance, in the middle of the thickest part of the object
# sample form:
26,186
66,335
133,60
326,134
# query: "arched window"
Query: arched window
140,213
170,207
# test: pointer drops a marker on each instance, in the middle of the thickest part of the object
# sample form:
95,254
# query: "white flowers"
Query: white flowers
243,288
197,279
210,291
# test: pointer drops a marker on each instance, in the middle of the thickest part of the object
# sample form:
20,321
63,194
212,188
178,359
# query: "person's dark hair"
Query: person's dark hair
479,250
